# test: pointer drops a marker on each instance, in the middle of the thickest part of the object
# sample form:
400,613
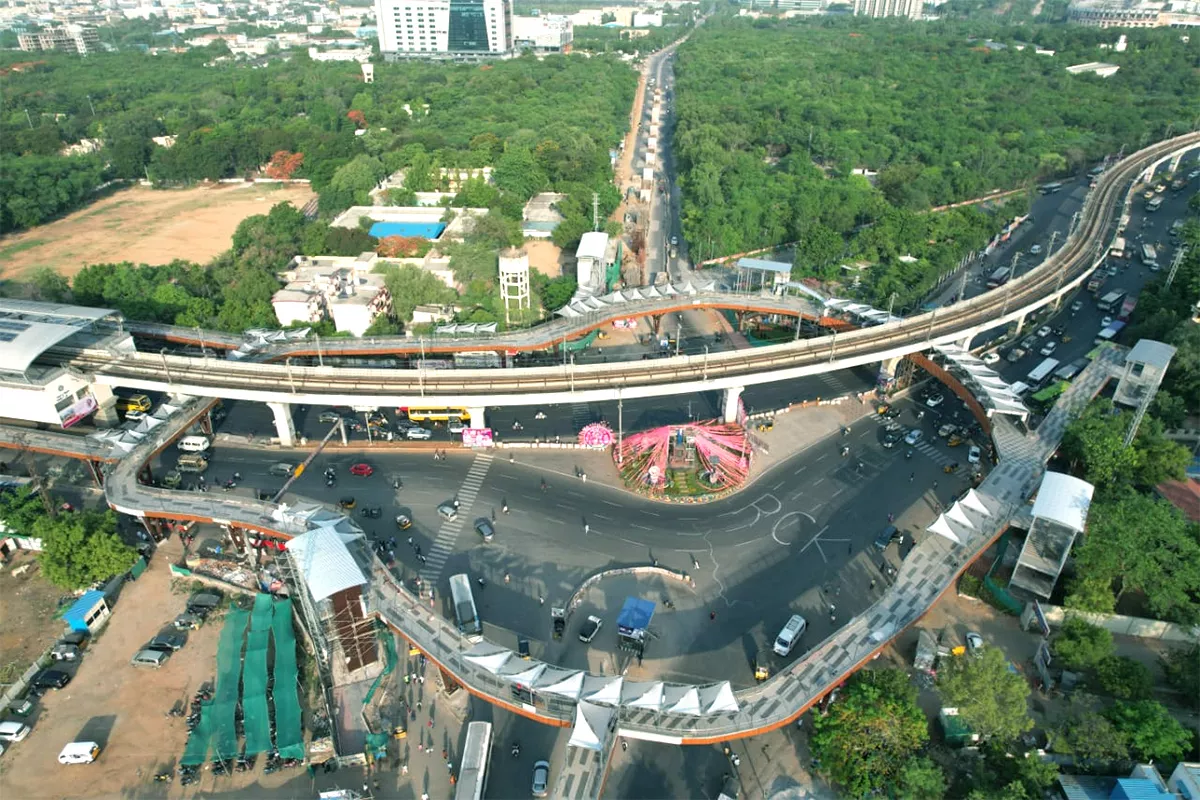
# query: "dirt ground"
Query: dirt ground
119,706
28,603
144,226
545,257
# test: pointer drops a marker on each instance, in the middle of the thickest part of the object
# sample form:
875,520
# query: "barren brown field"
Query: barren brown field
144,226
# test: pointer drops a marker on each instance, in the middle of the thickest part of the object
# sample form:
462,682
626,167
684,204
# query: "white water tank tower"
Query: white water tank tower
514,279
368,73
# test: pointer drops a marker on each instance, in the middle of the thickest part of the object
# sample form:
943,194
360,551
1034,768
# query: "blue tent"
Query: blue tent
635,616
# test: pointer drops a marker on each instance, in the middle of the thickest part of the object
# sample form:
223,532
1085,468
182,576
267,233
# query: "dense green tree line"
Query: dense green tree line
552,121
774,115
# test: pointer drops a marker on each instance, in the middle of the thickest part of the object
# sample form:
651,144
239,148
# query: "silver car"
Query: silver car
418,433
541,778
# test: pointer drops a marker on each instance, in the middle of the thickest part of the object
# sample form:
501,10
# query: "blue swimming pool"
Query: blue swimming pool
425,230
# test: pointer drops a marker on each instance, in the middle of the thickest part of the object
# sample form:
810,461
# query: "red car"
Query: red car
362,470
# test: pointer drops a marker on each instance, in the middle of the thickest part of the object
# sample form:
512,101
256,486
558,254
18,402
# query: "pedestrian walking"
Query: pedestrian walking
431,722
411,543
912,476
507,577
404,769
712,616
445,755
420,747
935,486
421,678
872,583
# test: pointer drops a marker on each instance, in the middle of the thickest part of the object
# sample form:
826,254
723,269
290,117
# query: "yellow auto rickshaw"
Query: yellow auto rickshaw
954,441
762,667
765,425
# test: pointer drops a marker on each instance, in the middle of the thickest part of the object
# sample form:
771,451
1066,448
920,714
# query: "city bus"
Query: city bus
473,770
1042,371
999,277
1149,255
1050,188
434,413
465,612
1118,248
1111,301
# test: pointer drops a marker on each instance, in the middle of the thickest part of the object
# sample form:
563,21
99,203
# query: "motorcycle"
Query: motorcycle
845,452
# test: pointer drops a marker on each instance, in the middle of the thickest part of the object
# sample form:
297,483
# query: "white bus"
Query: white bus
1154,203
1149,255
1118,248
1042,371
473,771
1050,188
464,607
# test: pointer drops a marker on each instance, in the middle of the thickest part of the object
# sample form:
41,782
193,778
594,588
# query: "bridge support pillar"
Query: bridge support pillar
478,416
1020,325
284,426
887,368
106,406
732,395
1175,162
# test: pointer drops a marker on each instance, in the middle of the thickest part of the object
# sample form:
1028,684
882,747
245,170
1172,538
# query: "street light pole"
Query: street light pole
166,368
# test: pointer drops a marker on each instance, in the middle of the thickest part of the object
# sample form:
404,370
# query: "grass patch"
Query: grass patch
20,247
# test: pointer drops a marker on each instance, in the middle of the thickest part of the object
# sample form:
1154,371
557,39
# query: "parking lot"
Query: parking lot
120,707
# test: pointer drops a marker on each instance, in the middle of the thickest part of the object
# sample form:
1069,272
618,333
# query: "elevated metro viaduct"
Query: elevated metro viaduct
280,385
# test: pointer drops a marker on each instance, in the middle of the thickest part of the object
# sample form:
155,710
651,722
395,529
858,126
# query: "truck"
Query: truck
1068,371
1118,248
1111,301
1127,309
1149,255
1110,332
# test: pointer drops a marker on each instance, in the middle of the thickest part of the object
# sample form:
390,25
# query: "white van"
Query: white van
790,634
13,731
194,444
79,753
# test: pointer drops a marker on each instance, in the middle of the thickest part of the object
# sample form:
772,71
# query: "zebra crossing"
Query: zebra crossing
581,415
443,545
835,384
924,447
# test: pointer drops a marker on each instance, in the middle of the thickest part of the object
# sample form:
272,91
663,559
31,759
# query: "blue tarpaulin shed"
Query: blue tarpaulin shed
635,616
87,612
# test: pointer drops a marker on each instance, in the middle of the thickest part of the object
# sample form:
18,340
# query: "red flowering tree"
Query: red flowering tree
357,117
400,246
284,164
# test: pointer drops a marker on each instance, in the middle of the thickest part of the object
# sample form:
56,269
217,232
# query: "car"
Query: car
485,530
172,480
990,358
541,778
50,679
1014,355
168,640
418,433
591,626
1149,193
674,240
1105,322
362,470
281,469
892,413
1194,174
456,426
935,401
329,416
888,535
202,603
1043,331
149,658
947,429
890,438
1159,188
1076,306
65,652
1048,348
371,512
974,642
448,511
913,437
1059,331
13,731
1035,250
403,522
974,454
1030,342
135,416
347,503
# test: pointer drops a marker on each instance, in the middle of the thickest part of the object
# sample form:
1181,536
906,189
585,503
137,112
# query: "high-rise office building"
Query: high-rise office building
889,8
440,28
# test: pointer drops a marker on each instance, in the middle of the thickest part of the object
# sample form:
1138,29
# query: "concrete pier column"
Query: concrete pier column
888,366
1020,324
478,416
284,426
732,395
106,406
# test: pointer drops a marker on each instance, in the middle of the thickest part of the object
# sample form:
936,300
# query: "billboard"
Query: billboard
69,415
477,437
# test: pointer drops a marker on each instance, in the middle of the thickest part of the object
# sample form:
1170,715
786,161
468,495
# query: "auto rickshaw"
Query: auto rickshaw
523,648
882,408
949,468
400,732
403,522
558,617
762,666
954,441
172,480
765,425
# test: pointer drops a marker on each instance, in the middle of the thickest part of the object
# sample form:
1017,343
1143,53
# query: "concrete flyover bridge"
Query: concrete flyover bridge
284,384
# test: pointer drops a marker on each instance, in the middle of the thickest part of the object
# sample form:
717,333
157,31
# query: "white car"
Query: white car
1035,250
1104,323
1048,348
913,437
974,454
1076,306
991,358
1044,331
418,433
591,626
934,401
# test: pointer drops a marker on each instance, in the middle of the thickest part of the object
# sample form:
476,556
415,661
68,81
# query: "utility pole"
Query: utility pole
962,289
27,119
92,107
891,305
595,211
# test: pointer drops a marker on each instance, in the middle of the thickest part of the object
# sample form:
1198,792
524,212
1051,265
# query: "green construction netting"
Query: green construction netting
257,721
289,735
389,649
196,752
229,671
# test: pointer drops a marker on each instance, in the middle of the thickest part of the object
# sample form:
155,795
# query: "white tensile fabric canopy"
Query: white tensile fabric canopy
592,723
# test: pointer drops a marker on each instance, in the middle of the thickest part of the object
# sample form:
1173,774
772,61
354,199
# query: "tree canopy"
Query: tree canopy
991,699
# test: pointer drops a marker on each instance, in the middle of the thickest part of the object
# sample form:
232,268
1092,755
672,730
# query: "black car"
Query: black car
202,603
50,679
887,536
168,641
892,438
371,512
892,413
